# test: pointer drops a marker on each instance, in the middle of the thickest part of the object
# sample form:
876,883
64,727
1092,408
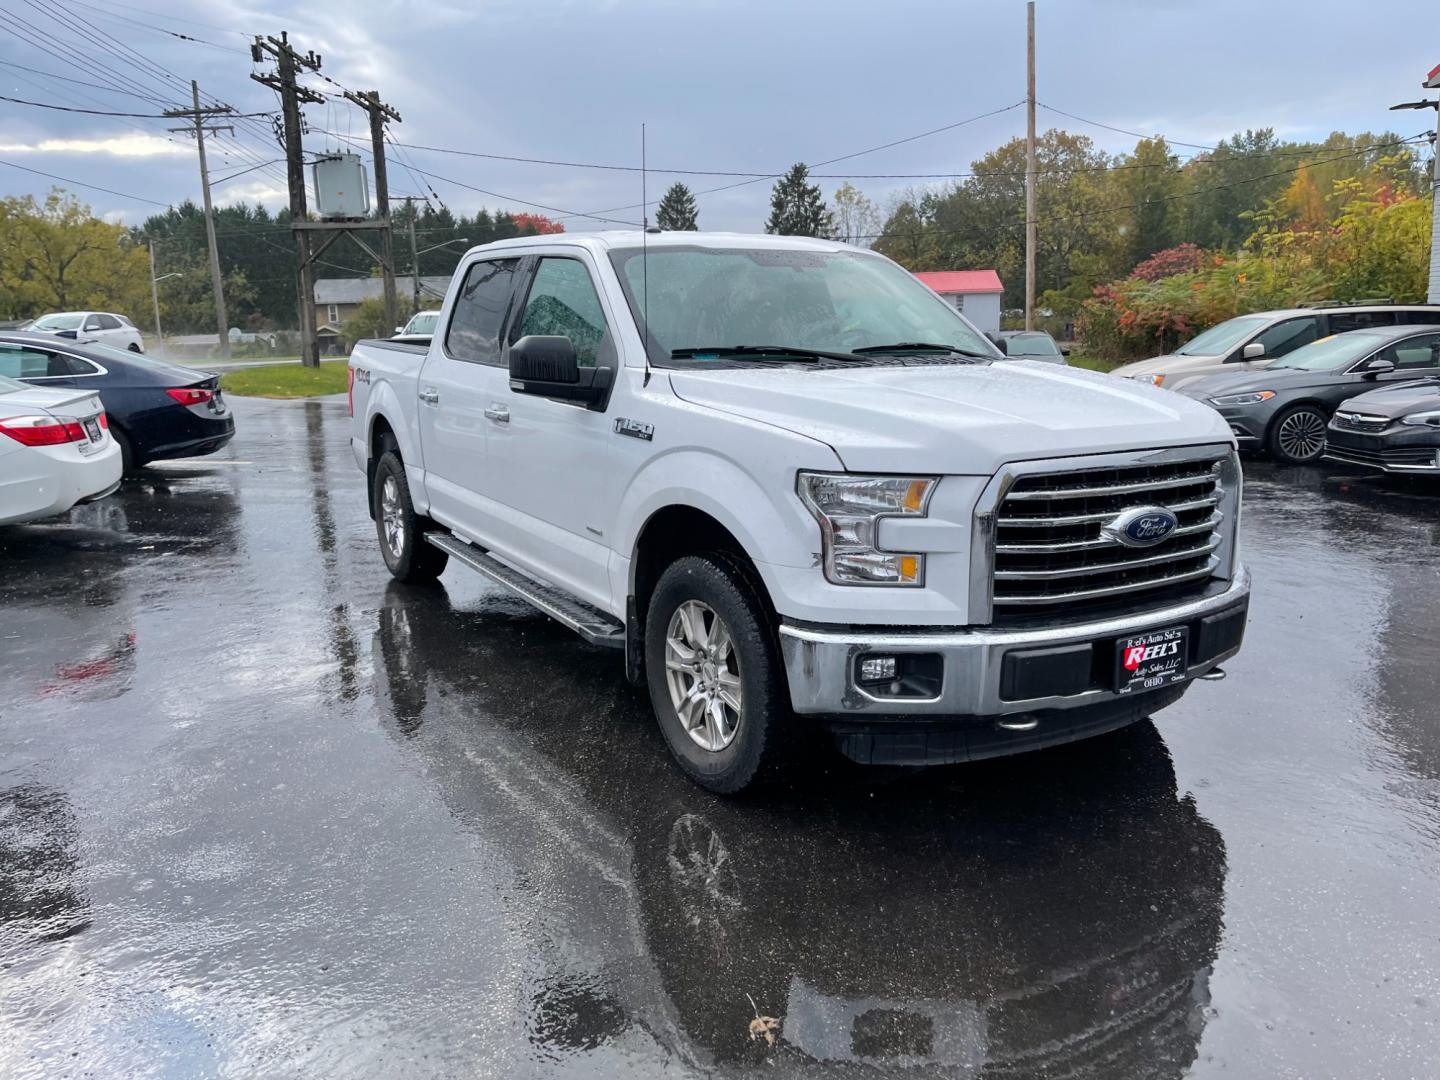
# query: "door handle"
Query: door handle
499,413
430,396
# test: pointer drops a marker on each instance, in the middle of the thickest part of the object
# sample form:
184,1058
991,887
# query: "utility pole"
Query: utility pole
289,64
410,201
198,127
155,297
379,113
1432,82
1030,231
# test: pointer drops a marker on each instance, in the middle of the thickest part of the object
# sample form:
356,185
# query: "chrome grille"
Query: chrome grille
1400,457
1050,553
1353,421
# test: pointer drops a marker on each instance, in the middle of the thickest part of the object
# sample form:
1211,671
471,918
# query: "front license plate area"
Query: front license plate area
1149,661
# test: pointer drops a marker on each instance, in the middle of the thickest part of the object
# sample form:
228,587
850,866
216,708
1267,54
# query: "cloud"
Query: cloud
121,146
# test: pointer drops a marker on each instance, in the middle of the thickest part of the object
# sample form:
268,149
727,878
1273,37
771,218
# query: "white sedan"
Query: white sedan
82,326
55,451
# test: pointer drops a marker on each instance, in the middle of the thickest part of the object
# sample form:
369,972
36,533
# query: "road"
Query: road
264,813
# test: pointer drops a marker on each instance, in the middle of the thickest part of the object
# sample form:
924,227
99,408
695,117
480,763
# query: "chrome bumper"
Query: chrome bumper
820,662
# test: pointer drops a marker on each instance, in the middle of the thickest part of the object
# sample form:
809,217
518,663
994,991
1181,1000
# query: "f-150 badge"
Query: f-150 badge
634,428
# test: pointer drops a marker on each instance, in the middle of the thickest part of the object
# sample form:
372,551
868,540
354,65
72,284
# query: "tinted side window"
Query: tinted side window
22,363
1285,337
480,309
1418,317
1418,352
563,301
1341,321
108,322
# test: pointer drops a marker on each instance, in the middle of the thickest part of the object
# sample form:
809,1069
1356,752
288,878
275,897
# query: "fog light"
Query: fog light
875,669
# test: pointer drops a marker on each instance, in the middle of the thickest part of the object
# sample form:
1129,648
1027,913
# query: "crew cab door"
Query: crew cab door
551,464
456,383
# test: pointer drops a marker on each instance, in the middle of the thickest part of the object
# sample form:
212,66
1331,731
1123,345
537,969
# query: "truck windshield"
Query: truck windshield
703,298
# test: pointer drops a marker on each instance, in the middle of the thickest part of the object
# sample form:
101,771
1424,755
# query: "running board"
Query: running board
590,623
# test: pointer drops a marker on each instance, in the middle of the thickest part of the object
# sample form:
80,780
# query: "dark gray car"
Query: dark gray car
1395,429
1284,407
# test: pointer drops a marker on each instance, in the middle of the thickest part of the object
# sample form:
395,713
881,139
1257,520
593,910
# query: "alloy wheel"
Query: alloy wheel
1302,435
392,516
702,673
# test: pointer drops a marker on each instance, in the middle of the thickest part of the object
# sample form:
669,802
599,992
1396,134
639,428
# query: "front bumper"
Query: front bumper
1049,669
1398,449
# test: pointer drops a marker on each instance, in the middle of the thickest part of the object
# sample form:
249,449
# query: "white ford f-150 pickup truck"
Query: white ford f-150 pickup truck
795,488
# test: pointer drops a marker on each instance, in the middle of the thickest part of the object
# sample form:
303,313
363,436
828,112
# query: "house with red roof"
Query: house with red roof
973,293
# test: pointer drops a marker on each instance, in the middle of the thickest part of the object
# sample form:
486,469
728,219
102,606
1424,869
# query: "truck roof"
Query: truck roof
605,240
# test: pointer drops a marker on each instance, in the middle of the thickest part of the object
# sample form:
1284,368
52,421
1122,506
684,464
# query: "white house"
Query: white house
975,294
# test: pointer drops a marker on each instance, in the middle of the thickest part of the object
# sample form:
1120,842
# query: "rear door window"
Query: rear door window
1344,321
19,362
108,322
1418,317
480,310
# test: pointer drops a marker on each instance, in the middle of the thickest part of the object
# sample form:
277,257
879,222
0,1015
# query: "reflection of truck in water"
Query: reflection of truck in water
932,925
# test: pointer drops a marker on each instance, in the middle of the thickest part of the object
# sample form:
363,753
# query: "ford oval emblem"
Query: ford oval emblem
1141,527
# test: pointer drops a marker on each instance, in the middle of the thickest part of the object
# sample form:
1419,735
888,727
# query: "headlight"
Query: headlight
1244,399
849,510
1153,380
1422,419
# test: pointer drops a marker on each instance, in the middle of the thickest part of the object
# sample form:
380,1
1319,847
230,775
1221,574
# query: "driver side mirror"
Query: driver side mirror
546,365
1254,351
1376,368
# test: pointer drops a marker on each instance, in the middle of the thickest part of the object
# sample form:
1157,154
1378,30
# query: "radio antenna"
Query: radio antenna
644,259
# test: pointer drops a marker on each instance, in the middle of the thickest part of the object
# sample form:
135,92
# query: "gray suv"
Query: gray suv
1251,341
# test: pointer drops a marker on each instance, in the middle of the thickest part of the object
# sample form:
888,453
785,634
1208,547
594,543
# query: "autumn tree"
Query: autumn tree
56,255
677,211
857,220
796,206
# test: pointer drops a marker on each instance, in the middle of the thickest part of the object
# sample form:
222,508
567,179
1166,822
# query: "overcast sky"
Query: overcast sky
743,85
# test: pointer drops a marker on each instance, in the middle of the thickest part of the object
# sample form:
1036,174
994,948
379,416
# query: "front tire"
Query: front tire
1297,437
714,673
400,529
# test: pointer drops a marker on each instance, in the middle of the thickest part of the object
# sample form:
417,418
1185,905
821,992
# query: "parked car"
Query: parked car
104,327
1284,407
55,451
1252,341
793,480
157,410
1030,345
1394,429
420,327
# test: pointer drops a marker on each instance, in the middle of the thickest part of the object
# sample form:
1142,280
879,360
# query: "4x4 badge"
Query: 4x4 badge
634,428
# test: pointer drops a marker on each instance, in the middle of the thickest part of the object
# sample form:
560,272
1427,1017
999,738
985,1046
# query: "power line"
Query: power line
158,29
100,112
80,183
1123,131
66,79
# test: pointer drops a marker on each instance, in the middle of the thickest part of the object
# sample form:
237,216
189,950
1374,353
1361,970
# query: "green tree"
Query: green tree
1151,184
796,206
677,211
59,256
368,322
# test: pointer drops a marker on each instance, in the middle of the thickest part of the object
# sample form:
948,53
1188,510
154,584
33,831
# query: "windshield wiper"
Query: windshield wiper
913,346
758,352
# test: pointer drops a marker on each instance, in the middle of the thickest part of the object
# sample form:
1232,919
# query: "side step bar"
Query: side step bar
591,624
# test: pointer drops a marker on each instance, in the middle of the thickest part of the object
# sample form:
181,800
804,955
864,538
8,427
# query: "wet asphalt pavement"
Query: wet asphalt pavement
263,813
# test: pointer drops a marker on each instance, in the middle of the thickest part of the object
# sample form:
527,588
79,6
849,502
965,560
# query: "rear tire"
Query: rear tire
133,347
401,530
1297,435
715,675
129,463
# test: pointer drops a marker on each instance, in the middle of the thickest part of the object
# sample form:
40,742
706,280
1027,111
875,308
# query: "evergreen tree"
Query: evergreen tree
797,207
677,211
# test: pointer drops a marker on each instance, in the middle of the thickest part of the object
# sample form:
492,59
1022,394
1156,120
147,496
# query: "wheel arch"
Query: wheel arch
1272,428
